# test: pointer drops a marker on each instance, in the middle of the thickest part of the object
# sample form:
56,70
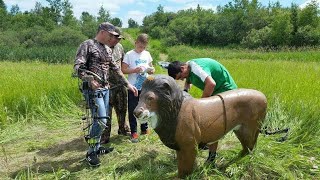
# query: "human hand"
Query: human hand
150,70
94,85
133,89
138,70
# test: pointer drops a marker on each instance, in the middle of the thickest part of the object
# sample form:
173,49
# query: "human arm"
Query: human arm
133,89
152,70
205,77
127,70
80,66
209,85
81,60
125,82
187,86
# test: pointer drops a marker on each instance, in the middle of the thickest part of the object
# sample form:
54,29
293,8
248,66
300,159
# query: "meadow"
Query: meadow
41,134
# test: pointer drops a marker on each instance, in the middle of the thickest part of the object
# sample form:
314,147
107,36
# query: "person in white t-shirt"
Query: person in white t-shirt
137,63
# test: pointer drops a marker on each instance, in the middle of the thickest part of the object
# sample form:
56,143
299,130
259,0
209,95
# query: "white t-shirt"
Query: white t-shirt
133,60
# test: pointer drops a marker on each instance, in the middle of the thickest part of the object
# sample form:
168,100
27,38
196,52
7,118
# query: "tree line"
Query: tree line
238,23
54,25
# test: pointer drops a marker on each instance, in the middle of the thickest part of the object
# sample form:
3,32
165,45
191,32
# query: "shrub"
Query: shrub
64,36
257,38
307,35
9,39
33,36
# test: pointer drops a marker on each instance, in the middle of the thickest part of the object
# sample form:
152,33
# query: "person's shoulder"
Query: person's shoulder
118,46
87,42
146,52
130,52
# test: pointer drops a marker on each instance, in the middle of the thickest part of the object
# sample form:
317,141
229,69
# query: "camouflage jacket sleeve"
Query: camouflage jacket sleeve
81,59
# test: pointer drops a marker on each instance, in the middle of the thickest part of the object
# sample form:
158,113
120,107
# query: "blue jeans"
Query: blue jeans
132,104
99,106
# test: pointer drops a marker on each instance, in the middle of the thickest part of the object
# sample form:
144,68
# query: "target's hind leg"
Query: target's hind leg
247,136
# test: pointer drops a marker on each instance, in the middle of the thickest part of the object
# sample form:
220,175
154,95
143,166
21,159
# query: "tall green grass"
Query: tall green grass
44,54
184,53
30,90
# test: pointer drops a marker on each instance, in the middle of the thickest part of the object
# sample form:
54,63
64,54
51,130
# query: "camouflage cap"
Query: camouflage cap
106,26
119,32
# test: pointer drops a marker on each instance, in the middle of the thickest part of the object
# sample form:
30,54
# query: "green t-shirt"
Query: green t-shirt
203,67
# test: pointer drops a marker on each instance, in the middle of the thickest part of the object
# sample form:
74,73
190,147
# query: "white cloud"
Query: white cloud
204,6
135,15
189,5
307,2
23,5
93,7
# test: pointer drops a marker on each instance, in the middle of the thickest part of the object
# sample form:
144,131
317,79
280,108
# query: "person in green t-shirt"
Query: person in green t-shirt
208,75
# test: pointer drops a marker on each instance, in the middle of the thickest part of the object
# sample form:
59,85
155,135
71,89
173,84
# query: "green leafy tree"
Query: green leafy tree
294,22
207,26
4,20
281,29
41,16
160,17
309,15
19,22
294,18
239,17
157,19
148,23
15,10
116,21
88,25
185,29
68,18
132,23
55,10
103,15
3,5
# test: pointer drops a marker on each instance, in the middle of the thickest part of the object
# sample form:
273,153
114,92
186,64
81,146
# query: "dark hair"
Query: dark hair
174,68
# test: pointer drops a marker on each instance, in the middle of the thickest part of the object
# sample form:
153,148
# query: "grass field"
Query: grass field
32,90
41,135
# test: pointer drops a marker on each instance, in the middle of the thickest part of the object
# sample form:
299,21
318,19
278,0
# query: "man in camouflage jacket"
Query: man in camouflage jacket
93,63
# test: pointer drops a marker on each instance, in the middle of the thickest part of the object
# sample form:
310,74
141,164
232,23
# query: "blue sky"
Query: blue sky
137,9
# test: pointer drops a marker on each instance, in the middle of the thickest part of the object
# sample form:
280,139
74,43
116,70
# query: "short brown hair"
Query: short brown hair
143,38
